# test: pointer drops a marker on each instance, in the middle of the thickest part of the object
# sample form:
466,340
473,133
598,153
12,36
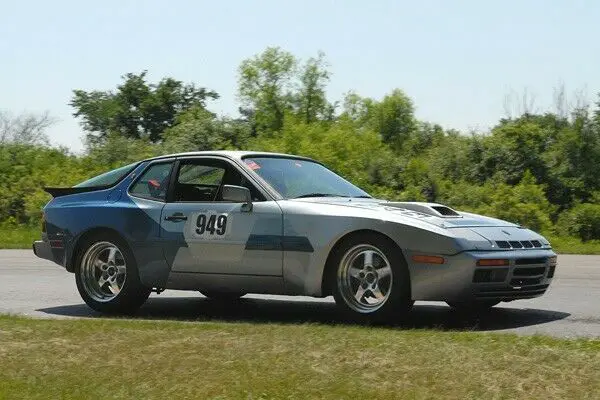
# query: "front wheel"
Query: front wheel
371,280
107,277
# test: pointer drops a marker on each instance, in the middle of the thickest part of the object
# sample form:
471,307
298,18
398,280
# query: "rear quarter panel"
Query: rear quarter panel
135,220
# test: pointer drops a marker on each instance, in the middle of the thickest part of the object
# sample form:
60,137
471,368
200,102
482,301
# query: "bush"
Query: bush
524,203
582,221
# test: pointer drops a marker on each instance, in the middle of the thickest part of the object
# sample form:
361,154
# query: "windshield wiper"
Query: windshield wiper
319,195
365,196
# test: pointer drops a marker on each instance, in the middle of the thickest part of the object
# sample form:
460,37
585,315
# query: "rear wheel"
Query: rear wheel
107,276
222,296
371,280
473,306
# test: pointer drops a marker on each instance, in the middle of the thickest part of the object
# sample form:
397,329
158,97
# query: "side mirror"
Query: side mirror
238,194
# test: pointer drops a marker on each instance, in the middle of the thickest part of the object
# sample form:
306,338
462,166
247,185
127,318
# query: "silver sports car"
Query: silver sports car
227,223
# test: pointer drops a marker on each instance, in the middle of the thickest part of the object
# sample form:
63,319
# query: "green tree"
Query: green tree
357,109
265,88
573,161
311,102
115,151
394,119
513,148
198,129
451,156
137,109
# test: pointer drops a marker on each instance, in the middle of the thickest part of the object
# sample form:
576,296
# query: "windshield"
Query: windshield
294,178
108,178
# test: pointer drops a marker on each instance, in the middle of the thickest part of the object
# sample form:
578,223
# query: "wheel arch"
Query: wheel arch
326,280
75,248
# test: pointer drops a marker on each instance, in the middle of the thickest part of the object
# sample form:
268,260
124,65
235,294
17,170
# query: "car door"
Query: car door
203,234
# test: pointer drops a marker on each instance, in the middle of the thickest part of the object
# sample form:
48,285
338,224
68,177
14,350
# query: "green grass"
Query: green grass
571,245
74,359
19,237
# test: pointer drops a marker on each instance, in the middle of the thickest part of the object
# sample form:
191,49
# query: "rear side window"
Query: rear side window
153,183
108,178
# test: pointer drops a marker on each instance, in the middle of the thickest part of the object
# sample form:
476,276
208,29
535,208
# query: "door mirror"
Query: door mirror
238,194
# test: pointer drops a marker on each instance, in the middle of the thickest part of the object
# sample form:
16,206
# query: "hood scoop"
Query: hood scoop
434,209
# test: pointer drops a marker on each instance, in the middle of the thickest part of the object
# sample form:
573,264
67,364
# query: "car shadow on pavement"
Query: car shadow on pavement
293,311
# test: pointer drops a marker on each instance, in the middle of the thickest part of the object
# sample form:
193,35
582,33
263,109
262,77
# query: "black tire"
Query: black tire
132,293
398,300
475,306
222,296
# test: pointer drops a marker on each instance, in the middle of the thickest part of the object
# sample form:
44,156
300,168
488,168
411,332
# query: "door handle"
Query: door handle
176,217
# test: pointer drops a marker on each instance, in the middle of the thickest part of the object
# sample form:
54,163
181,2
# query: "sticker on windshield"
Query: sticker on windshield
210,225
252,165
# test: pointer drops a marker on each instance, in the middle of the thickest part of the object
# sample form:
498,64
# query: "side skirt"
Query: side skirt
224,282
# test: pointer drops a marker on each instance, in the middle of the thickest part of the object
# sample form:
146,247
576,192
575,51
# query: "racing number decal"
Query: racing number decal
210,225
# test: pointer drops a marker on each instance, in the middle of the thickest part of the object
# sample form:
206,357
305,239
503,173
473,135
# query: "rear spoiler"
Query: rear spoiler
58,192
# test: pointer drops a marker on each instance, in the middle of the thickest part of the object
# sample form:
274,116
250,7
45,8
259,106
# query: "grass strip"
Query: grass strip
74,359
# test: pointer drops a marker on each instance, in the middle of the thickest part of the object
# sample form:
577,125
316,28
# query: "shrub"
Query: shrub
524,203
582,221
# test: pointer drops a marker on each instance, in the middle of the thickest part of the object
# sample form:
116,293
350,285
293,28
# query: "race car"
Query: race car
229,223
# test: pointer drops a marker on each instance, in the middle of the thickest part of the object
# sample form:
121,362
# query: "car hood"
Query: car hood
432,213
486,232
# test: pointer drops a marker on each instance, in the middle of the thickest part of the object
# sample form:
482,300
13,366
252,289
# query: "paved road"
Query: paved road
570,308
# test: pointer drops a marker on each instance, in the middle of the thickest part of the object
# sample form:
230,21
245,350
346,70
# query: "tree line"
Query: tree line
539,169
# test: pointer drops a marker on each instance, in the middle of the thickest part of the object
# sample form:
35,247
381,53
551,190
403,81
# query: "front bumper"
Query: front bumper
43,250
528,275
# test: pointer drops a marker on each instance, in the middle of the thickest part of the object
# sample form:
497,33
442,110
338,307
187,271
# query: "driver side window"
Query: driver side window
202,180
198,181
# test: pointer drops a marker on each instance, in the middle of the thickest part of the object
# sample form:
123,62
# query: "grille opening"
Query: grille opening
535,271
503,244
516,244
529,261
490,275
551,270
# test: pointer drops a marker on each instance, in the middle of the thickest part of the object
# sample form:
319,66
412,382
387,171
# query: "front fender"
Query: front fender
324,227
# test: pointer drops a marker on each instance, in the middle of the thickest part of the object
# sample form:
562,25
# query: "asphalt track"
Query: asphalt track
571,307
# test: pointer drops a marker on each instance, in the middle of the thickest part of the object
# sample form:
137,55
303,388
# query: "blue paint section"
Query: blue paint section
70,216
297,243
279,243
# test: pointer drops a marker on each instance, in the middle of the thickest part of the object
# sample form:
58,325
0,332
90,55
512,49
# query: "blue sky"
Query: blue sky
456,59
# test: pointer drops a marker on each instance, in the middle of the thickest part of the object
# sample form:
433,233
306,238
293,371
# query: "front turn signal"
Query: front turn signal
492,262
424,259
